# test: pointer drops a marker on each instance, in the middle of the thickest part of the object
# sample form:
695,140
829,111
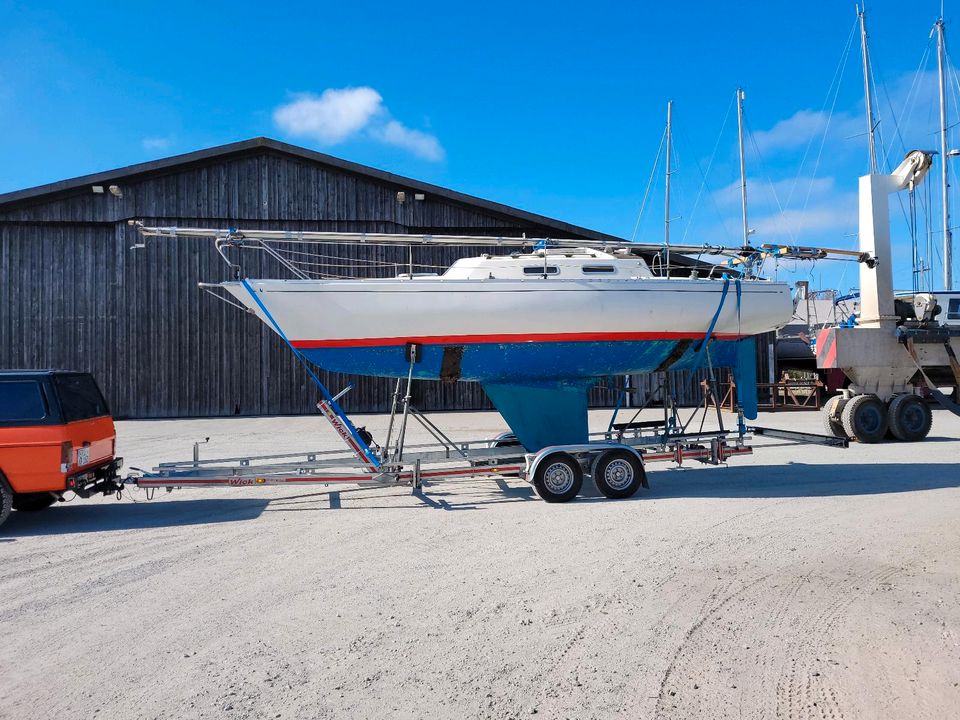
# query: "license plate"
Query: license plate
83,456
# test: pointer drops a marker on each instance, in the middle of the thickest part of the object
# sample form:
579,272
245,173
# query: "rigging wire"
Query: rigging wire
908,102
885,163
703,180
826,130
835,84
766,174
646,193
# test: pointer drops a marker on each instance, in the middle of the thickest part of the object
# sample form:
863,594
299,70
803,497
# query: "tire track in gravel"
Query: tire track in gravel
709,610
802,691
769,544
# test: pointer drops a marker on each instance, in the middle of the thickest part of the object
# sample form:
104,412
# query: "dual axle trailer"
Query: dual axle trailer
615,459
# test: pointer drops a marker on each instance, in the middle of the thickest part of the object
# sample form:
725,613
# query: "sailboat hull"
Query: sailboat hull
535,346
503,330
526,361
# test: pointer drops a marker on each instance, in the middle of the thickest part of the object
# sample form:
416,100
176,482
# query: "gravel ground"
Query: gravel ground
801,582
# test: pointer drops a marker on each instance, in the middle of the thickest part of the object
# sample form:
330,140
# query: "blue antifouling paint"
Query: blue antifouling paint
543,414
540,388
745,375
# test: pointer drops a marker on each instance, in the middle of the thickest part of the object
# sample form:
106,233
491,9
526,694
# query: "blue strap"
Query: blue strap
327,397
701,351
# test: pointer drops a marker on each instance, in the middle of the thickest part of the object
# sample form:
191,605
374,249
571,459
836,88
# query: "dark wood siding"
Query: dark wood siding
74,295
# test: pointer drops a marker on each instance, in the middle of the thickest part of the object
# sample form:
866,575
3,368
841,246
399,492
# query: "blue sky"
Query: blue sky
557,108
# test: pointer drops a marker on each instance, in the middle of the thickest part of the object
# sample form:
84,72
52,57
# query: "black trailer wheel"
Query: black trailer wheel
864,419
558,478
6,499
909,417
32,502
618,474
831,416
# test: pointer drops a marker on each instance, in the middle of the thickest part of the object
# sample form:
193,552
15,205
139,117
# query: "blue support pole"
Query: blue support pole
329,406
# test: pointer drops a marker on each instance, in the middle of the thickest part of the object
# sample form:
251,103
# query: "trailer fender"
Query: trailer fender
588,451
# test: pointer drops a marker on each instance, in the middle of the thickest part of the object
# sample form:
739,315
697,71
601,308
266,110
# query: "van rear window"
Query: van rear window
21,400
80,398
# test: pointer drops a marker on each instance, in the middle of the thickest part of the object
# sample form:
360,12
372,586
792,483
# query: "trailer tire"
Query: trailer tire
831,413
909,418
33,502
6,499
618,474
864,419
558,478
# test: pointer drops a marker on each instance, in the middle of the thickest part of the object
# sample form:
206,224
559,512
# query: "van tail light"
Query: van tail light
66,456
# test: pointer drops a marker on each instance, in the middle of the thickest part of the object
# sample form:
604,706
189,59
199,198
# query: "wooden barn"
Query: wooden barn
76,292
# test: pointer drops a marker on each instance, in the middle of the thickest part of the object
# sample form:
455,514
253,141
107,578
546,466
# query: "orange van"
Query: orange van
56,435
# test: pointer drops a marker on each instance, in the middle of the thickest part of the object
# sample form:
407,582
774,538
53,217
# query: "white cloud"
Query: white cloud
417,142
804,126
152,144
825,223
331,117
788,192
340,114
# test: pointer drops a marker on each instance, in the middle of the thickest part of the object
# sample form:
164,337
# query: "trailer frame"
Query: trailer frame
413,466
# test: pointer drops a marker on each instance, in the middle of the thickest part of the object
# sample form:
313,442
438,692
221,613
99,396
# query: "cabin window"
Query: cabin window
541,270
80,397
22,400
953,311
598,269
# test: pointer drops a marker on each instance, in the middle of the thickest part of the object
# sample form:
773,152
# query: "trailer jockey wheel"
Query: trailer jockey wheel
558,478
831,416
909,418
618,474
864,418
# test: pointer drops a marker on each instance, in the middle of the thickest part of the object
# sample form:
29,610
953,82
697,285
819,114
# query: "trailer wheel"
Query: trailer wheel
864,419
618,474
831,416
6,499
32,502
558,478
909,418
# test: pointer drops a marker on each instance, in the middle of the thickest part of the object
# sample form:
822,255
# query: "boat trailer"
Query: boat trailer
615,458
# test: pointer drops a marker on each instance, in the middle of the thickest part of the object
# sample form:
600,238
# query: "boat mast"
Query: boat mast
666,203
868,97
743,168
945,180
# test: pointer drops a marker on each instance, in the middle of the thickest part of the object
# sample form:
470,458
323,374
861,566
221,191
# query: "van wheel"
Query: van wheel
31,502
6,499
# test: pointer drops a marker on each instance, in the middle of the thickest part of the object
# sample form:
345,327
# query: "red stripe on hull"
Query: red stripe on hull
511,338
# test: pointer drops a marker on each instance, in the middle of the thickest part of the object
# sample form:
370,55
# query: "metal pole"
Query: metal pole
868,97
666,203
945,180
402,436
393,415
743,168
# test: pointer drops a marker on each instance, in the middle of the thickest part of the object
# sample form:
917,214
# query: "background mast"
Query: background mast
868,97
743,168
666,204
945,181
